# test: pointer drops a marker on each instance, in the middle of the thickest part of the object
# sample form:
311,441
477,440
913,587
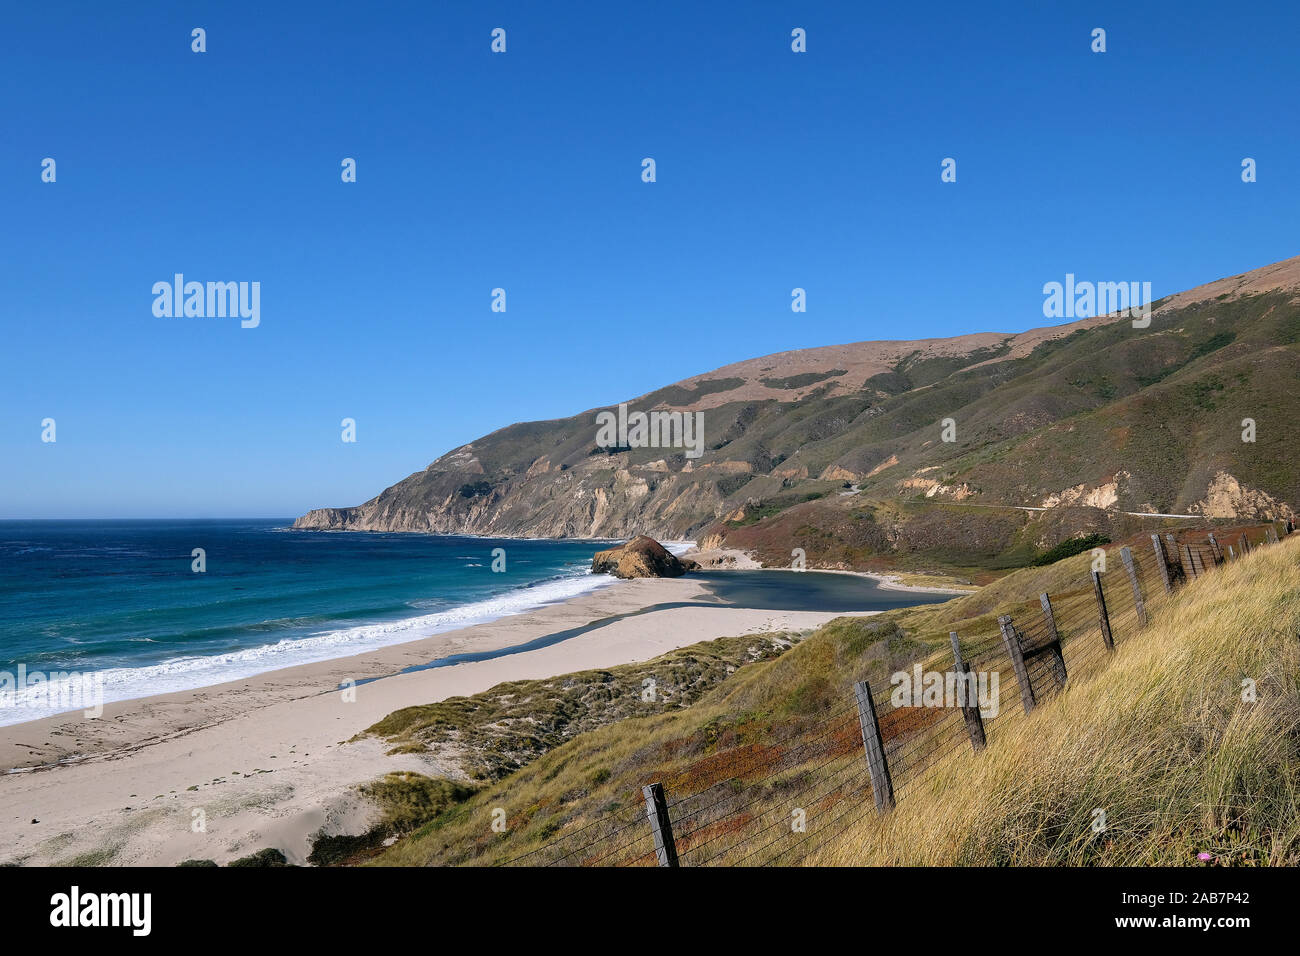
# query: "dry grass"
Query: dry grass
925,579
1160,740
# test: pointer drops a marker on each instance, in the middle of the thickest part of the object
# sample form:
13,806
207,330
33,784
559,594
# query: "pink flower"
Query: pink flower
1205,857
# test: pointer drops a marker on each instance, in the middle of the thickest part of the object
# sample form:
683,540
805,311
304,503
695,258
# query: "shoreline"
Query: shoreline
734,559
196,672
893,582
269,760
353,640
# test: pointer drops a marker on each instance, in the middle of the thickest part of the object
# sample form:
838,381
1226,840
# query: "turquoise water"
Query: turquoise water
121,598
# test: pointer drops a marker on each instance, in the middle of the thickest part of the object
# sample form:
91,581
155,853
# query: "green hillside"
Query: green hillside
1091,420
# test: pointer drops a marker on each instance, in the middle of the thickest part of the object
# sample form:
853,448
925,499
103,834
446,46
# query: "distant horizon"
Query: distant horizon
151,518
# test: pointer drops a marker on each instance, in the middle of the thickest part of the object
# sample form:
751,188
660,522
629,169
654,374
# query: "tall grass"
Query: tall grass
1161,742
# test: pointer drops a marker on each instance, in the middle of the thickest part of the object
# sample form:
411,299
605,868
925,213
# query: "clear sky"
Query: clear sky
522,170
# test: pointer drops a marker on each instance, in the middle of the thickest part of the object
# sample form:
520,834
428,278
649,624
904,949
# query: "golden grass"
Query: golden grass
922,579
1159,739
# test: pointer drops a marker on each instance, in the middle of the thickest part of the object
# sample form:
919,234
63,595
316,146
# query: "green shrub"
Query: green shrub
1068,549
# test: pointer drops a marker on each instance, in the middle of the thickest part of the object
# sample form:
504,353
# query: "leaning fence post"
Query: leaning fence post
1138,604
1101,611
882,786
1270,533
1011,640
1053,638
1176,552
1245,545
1190,562
1160,562
974,722
1215,550
965,681
656,809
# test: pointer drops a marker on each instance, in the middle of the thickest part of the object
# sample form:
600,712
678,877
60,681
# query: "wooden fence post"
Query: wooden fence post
1053,646
1270,533
974,722
1232,554
1245,545
1160,562
1101,611
1190,559
882,785
1215,550
964,681
1011,640
1138,604
1176,552
656,809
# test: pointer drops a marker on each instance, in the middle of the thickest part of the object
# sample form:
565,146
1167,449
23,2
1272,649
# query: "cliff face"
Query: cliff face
1095,414
604,498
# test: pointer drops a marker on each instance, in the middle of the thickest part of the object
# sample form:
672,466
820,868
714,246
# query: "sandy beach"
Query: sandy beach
270,760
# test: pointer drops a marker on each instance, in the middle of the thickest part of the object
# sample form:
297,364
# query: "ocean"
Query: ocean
121,598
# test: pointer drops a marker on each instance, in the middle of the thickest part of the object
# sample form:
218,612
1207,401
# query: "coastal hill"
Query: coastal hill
842,450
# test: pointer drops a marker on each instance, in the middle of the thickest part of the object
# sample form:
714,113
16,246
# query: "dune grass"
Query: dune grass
1160,740
923,579
493,733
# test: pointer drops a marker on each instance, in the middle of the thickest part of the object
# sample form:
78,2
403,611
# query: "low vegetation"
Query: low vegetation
502,729
1072,547
406,801
262,858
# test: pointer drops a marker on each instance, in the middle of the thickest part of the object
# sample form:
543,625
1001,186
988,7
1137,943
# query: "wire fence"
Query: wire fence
775,801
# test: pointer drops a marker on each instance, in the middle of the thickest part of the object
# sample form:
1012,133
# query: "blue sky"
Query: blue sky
523,171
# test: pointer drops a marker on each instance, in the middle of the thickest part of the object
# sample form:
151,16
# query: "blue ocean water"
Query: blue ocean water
121,598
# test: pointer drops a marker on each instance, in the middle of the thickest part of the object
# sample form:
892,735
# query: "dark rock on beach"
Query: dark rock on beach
642,557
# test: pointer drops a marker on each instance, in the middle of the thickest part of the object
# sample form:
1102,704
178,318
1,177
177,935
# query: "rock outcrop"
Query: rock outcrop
1228,498
642,557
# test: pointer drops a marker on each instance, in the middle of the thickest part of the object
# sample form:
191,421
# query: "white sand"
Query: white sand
265,760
